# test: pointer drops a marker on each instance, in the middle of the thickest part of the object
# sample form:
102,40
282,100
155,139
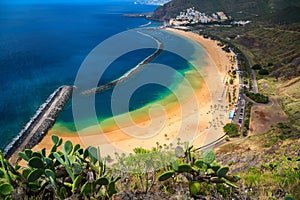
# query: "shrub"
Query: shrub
256,67
263,72
250,84
231,130
226,49
204,175
246,122
282,175
229,97
257,97
245,132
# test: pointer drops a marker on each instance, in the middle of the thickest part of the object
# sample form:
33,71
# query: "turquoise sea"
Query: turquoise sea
43,46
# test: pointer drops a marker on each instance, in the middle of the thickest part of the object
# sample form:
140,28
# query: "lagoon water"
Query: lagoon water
43,46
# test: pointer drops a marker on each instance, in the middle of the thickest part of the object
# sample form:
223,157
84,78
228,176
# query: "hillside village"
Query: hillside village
191,16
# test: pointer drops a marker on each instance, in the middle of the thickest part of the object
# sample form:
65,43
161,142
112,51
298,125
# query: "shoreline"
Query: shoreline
198,120
218,64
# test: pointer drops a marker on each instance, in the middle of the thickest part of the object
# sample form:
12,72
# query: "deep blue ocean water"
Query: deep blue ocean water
43,46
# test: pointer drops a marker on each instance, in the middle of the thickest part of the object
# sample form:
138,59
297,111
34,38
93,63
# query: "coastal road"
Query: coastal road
253,77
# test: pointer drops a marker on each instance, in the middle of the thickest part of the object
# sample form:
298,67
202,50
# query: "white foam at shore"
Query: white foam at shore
144,25
32,120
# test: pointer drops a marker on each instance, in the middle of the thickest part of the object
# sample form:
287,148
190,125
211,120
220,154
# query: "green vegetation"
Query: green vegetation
280,133
247,116
229,97
256,67
226,49
263,72
144,165
284,173
257,97
267,163
231,130
251,9
271,40
204,174
69,173
78,173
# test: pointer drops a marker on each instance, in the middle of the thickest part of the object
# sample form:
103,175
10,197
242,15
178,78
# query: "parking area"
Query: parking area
239,112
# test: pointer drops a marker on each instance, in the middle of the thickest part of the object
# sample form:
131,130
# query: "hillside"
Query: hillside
238,9
271,40
266,163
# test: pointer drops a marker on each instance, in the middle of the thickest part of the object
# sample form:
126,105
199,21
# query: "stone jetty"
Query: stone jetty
39,124
131,72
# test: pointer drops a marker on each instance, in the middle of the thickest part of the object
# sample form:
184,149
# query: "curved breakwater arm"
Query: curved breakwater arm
132,71
40,123
144,25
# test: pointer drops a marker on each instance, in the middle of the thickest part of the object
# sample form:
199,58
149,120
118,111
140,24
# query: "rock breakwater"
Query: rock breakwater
39,124
131,72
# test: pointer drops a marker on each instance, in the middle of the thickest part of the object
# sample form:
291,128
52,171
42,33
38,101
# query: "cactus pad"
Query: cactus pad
166,175
209,157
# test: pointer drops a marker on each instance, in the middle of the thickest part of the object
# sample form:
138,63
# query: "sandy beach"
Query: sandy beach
215,76
198,119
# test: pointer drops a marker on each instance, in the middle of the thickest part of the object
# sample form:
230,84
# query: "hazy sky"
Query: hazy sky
59,1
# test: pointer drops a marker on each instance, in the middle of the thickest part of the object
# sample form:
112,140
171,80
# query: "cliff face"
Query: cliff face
239,9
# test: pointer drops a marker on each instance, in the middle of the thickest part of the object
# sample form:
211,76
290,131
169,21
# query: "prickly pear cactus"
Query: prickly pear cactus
185,168
36,162
179,152
194,188
222,172
166,175
5,189
209,157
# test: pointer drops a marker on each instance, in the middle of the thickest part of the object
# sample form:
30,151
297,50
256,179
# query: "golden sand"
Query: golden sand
197,119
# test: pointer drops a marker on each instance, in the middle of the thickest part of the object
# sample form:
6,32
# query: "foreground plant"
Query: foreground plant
141,168
73,173
282,175
201,174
